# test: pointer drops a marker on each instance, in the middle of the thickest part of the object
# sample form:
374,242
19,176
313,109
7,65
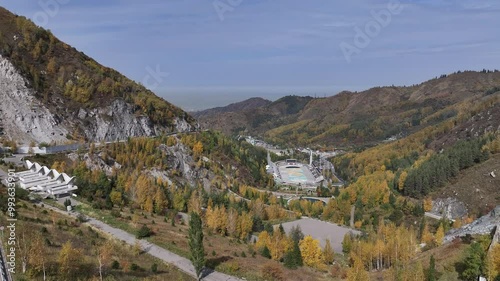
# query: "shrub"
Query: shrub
115,265
272,271
144,232
154,268
134,267
116,213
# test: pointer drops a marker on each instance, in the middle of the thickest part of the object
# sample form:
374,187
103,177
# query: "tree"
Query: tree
161,202
245,224
69,261
474,262
296,233
293,258
38,254
440,235
143,232
195,237
311,251
357,271
198,148
116,198
347,243
194,204
104,254
432,269
328,253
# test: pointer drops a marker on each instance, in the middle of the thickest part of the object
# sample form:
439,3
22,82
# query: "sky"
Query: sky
199,54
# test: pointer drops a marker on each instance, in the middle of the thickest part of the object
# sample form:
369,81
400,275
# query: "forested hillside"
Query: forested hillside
363,118
77,90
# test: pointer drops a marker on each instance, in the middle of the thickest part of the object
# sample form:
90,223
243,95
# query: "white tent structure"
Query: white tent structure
46,181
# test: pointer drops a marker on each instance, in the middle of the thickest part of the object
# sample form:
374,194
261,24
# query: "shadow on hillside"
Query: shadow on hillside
214,262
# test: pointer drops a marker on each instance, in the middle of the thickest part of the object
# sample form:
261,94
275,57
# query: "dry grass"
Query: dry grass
58,228
228,258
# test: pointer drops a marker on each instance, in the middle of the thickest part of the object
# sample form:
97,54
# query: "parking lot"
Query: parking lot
322,230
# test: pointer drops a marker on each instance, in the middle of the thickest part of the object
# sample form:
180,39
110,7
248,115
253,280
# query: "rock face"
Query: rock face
450,208
484,225
24,118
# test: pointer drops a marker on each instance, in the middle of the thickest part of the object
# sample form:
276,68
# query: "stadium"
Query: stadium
292,172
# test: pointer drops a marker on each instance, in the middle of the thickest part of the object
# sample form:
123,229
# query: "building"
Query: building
47,182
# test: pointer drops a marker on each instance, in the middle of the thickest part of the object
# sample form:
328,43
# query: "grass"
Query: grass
174,239
57,228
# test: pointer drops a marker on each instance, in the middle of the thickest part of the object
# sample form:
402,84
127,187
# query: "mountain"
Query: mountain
251,116
52,92
361,118
249,104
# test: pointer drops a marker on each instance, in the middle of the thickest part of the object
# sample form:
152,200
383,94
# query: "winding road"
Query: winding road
152,249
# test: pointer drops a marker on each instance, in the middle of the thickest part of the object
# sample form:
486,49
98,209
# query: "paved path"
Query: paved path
152,249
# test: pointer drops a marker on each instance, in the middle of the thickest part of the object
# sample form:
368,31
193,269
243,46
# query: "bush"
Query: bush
154,268
143,232
115,265
116,213
81,218
134,267
272,271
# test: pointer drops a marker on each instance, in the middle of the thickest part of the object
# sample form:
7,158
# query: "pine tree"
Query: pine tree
432,269
293,258
474,262
195,237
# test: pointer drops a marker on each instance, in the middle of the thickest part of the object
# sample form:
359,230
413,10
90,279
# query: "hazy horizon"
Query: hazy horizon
187,50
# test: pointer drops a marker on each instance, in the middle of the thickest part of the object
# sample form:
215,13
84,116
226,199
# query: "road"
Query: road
152,249
431,215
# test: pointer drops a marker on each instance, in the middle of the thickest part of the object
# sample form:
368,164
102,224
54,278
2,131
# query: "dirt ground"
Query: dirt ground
475,187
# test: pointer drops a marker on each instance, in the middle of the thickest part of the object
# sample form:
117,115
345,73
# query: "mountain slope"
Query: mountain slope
52,92
248,104
242,117
366,117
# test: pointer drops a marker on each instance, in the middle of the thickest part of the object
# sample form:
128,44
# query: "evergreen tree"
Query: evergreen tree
266,253
432,269
293,258
474,262
296,233
196,243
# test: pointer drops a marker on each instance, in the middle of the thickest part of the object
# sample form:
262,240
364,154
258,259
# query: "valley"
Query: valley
105,180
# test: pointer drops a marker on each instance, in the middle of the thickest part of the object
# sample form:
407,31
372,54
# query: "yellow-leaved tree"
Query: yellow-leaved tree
328,253
310,251
440,235
357,272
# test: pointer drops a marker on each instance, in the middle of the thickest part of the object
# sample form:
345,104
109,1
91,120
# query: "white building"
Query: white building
46,181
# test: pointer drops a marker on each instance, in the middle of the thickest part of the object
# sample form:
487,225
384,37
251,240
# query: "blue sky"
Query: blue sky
222,51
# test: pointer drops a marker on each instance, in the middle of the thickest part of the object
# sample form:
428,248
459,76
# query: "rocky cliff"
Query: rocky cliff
51,92
24,118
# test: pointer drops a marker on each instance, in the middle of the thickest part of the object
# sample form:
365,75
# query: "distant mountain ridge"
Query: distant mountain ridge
248,104
360,118
52,92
